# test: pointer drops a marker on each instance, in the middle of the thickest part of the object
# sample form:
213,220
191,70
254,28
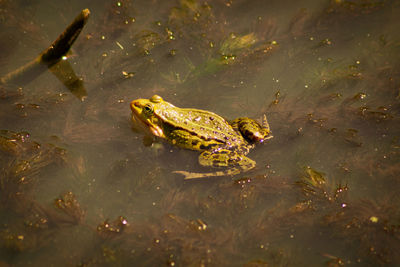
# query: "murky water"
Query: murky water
79,187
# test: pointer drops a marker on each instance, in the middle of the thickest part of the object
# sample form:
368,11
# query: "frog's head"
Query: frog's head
144,114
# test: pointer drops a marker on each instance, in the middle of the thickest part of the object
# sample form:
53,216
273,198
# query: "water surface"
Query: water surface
78,185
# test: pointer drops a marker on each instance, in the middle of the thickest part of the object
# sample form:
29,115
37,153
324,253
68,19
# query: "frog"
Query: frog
222,144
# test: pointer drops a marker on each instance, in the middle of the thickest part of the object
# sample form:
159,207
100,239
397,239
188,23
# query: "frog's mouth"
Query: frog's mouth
144,124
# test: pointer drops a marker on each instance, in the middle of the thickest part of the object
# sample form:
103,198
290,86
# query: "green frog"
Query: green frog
222,143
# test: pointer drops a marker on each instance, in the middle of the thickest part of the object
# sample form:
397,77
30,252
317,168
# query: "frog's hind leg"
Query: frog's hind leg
235,163
251,130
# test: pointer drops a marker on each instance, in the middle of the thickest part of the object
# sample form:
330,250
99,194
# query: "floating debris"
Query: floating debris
110,229
71,207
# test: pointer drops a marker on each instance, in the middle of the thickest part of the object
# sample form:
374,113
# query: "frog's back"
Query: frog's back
206,124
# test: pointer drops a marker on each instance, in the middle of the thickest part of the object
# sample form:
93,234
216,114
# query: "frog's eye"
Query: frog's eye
148,108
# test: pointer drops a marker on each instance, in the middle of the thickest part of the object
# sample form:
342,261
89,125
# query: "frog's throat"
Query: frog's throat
147,126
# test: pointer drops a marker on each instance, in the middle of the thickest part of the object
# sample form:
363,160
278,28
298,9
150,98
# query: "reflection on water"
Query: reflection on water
78,185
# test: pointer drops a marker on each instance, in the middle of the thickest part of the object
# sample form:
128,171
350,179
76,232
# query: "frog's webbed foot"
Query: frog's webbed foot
196,175
267,130
234,162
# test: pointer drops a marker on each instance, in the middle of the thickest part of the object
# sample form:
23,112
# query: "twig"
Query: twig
51,55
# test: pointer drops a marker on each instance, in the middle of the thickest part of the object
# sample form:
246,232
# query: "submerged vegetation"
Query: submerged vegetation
77,184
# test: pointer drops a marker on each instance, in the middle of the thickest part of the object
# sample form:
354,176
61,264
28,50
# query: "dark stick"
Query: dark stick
51,55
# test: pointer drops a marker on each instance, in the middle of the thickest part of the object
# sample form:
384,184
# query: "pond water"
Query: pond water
80,187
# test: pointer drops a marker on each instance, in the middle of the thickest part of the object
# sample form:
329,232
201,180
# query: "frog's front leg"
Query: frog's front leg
234,162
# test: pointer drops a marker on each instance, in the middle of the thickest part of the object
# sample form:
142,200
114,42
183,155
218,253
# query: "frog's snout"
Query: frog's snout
134,105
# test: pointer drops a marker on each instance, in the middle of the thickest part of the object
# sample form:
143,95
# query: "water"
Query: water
79,186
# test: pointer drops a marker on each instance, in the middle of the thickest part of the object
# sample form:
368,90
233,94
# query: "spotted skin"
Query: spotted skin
224,145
